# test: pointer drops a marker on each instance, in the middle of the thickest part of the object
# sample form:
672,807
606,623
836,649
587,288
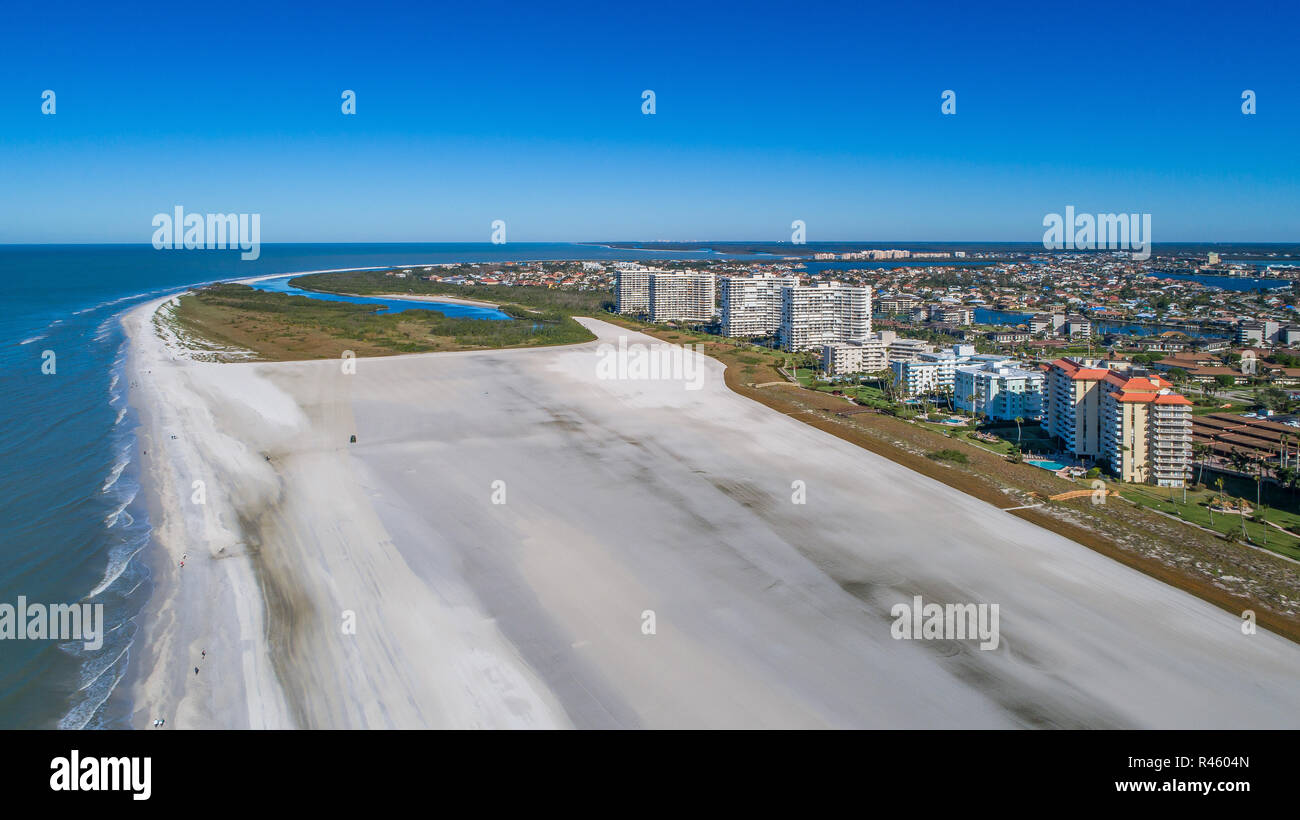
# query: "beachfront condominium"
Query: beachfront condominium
1146,430
813,316
1122,415
687,296
908,350
931,372
632,289
1000,390
1074,404
869,356
751,305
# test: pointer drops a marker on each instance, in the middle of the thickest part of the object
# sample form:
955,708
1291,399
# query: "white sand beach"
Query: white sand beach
621,497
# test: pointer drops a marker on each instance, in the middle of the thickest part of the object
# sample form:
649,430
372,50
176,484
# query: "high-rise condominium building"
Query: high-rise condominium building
682,297
751,305
1146,430
813,316
1074,404
1127,417
632,290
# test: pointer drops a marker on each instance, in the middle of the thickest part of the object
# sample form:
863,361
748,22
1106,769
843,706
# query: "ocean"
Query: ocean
73,520
73,523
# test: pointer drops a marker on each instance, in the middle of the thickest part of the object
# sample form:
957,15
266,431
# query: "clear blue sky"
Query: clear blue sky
531,113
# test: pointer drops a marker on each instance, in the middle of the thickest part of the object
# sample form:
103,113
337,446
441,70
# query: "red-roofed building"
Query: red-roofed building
1074,404
1146,430
1122,415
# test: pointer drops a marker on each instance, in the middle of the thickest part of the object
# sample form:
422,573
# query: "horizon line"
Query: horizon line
683,242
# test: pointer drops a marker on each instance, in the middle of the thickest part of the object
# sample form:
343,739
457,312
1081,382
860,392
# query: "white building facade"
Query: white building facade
1001,391
632,290
813,316
751,305
682,297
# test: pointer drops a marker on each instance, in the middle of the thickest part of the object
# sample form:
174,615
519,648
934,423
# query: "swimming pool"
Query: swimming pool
1048,465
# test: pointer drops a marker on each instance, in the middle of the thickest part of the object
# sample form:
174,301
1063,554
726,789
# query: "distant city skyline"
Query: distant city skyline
764,115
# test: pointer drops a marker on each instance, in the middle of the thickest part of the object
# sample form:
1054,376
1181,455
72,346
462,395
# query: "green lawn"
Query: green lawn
1031,437
1194,511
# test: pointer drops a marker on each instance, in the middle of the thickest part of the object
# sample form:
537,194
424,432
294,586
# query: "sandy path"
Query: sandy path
623,496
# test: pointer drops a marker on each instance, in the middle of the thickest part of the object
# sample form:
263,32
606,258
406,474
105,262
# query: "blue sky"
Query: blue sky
766,113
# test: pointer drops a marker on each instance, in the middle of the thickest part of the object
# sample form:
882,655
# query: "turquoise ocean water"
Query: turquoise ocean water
73,522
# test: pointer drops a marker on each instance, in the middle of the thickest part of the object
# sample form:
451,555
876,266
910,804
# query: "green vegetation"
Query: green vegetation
279,326
1031,437
955,456
1197,510
523,302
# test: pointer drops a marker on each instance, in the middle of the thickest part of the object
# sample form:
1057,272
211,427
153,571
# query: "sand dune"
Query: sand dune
620,497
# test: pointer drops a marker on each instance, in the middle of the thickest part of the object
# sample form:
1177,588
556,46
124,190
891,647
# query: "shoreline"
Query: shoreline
469,615
206,614
302,529
240,598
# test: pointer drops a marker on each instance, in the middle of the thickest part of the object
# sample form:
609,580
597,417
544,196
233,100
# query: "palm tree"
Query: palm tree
1239,460
1200,452
1019,421
1284,476
1259,478
1293,479
887,378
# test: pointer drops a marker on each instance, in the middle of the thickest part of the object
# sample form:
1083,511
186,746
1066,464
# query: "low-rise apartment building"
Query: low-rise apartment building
1001,390
869,356
1078,326
931,372
908,350
1046,323
951,314
1257,333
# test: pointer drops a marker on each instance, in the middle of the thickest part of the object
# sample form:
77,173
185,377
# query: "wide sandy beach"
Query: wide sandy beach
489,550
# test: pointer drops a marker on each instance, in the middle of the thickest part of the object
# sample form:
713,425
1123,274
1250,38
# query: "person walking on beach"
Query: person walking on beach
203,654
196,670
